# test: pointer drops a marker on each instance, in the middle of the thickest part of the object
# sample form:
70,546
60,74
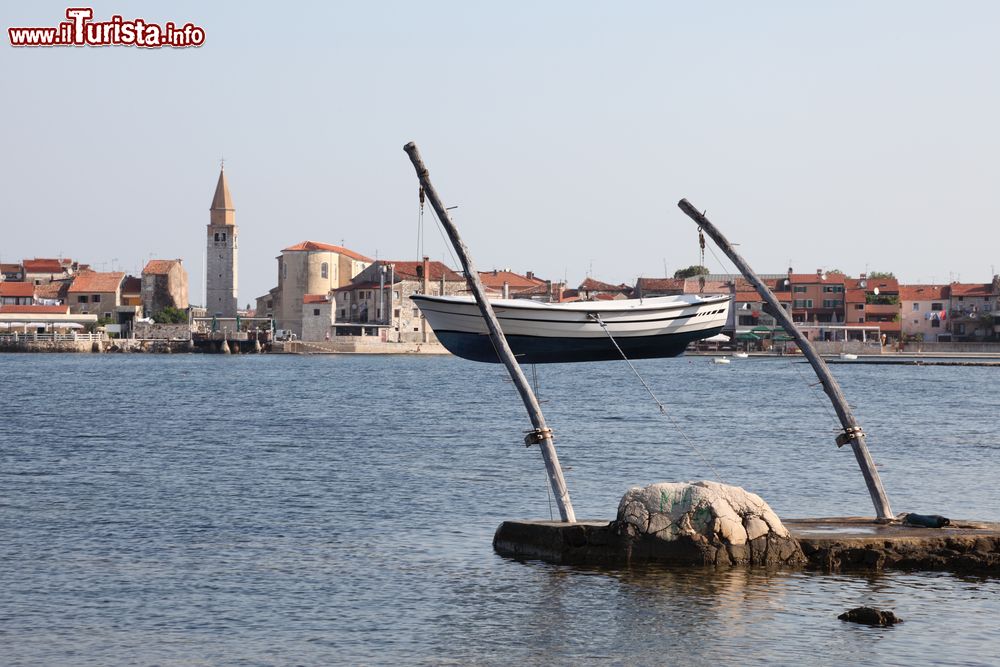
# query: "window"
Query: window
395,295
96,298
935,323
802,303
83,298
343,312
284,270
316,311
223,236
416,312
936,306
324,270
859,306
396,313
799,288
916,307
832,303
216,237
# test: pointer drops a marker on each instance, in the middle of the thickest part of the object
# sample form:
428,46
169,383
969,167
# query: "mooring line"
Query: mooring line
663,410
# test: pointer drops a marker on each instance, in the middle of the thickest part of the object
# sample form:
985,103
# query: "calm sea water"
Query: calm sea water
182,510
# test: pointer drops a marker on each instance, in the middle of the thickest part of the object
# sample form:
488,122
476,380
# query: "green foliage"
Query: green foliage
836,272
885,275
691,271
171,315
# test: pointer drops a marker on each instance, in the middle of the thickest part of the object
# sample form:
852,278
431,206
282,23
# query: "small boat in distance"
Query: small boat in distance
541,333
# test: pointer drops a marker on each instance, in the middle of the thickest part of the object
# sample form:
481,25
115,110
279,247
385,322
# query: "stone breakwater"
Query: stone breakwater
711,524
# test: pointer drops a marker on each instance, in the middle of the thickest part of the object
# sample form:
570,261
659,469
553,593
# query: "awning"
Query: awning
747,336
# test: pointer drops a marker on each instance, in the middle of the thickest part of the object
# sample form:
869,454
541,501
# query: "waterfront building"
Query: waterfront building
164,285
96,292
305,268
221,269
973,312
377,302
924,313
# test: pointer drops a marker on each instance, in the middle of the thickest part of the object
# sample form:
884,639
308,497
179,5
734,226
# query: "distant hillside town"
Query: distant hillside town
327,293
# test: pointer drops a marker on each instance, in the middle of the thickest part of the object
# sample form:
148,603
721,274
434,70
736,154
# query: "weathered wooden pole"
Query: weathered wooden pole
852,430
542,434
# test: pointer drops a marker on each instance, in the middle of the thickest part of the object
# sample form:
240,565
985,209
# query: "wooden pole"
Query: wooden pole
541,435
852,430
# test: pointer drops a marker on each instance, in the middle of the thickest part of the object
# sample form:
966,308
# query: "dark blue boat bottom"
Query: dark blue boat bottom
543,350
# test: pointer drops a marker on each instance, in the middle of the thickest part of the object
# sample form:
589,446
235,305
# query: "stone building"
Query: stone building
164,284
377,302
308,268
317,317
95,292
221,269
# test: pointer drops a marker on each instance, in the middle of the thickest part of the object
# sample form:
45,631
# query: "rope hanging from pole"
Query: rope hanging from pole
663,410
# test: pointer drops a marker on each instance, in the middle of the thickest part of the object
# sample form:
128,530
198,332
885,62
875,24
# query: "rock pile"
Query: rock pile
703,523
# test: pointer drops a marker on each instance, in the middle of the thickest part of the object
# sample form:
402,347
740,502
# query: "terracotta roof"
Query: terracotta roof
538,289
54,290
854,295
314,298
883,284
309,246
923,292
435,270
160,267
589,284
655,284
96,281
10,268
831,278
497,278
12,289
41,265
39,310
971,289
132,285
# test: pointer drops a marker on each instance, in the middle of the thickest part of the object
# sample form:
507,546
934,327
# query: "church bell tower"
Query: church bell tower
221,255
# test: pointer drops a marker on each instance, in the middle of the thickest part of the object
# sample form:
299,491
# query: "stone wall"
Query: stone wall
162,331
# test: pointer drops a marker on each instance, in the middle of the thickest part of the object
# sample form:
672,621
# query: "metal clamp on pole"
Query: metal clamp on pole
537,437
850,433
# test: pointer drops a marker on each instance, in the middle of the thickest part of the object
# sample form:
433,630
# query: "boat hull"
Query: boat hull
552,350
575,332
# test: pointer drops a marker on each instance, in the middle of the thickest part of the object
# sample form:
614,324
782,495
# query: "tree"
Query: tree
885,275
691,271
171,315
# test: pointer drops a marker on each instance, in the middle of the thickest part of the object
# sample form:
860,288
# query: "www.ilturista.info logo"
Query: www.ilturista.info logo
80,30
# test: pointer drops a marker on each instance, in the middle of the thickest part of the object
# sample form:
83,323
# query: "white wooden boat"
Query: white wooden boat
541,333
740,355
720,360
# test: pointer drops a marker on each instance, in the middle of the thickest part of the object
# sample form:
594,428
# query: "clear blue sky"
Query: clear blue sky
846,135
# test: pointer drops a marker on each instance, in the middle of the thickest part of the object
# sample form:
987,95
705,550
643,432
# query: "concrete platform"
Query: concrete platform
831,544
